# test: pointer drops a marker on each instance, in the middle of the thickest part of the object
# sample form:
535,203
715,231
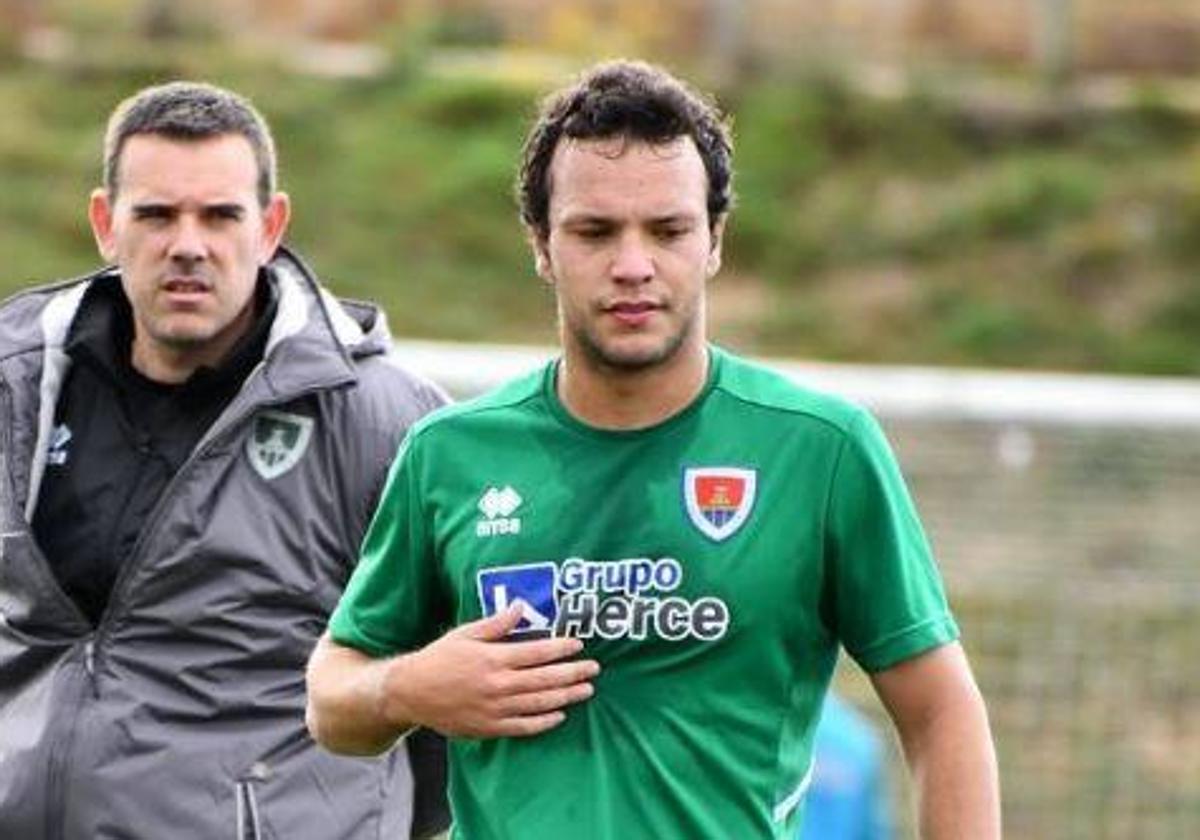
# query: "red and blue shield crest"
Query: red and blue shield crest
719,499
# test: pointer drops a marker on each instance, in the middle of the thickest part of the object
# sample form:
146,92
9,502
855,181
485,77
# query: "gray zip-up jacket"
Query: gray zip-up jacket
181,715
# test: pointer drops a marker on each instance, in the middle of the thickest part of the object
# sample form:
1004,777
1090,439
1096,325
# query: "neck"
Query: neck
167,365
172,364
617,399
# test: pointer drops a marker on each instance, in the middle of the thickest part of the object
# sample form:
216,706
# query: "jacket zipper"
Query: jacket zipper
93,651
135,559
57,793
89,664
56,774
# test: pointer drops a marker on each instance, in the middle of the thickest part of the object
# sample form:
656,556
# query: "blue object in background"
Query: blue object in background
848,799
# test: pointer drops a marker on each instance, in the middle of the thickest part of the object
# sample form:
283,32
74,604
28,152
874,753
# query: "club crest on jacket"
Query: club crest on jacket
277,441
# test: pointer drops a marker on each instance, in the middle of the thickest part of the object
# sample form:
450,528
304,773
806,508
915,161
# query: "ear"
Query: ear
100,214
275,219
714,251
540,246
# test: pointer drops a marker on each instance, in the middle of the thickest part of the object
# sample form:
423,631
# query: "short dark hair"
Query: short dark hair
189,111
633,100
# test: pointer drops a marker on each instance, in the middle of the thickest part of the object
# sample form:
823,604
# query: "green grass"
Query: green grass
865,230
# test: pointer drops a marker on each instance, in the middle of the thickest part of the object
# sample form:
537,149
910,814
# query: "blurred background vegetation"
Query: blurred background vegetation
941,182
970,189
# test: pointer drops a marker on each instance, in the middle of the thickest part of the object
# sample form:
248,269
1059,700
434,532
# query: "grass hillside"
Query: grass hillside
894,231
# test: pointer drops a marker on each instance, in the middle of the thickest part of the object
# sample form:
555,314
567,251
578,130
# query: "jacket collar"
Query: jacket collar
312,345
313,340
101,336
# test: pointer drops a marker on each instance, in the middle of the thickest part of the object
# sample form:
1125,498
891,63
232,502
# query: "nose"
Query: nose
187,247
633,262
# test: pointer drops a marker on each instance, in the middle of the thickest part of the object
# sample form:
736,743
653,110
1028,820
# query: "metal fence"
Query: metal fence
1070,552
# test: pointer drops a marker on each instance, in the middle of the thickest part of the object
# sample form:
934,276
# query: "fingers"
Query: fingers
548,677
538,652
520,716
532,701
493,627
523,727
539,703
517,654
469,684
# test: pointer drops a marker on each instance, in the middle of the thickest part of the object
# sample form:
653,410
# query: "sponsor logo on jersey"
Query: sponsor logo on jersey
616,599
277,441
498,507
60,446
719,499
532,586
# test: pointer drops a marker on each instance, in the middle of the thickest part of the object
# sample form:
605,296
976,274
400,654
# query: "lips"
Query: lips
632,313
186,293
185,285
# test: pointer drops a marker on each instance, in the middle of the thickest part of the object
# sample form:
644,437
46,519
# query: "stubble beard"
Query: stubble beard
598,354
184,332
195,333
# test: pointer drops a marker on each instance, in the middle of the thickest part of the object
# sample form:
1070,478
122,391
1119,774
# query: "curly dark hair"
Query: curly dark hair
631,100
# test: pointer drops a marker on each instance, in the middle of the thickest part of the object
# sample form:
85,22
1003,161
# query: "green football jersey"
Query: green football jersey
712,564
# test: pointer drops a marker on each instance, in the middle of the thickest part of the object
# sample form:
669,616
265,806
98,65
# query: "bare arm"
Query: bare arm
943,726
467,683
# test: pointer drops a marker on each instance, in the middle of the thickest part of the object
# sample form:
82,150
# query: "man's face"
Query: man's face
629,250
189,235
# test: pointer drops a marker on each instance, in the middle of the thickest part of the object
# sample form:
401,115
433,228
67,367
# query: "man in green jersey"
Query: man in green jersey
620,583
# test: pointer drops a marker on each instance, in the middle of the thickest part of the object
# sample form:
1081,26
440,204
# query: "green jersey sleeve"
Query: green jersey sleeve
887,598
393,596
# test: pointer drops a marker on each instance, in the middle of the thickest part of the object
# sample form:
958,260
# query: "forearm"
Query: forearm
943,725
953,767
347,712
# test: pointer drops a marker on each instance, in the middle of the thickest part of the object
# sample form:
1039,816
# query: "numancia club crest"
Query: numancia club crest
719,499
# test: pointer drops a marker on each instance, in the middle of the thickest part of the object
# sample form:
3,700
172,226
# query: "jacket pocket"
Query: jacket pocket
249,824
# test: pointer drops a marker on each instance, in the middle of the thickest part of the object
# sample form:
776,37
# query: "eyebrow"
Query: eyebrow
223,207
586,219
154,207
682,217
674,219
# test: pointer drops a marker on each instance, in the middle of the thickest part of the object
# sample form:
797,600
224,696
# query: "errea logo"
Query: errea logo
498,507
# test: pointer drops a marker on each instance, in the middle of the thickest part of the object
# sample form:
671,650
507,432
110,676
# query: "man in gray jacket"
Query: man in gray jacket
191,444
